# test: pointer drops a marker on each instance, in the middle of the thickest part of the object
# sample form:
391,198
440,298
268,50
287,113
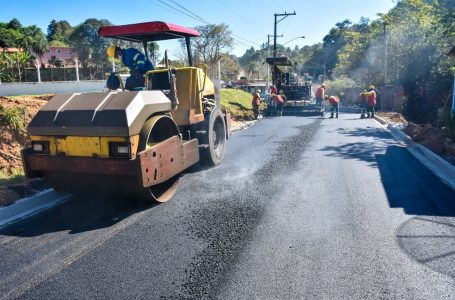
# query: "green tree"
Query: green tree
90,47
253,67
58,32
213,42
8,36
54,62
153,49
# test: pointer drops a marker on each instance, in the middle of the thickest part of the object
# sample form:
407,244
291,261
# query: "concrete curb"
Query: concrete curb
246,125
29,206
380,120
437,165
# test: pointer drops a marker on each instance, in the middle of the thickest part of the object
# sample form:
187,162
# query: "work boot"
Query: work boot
331,116
362,116
337,115
372,115
368,115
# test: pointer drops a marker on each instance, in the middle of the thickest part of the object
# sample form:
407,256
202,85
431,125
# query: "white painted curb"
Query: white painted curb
246,125
437,165
29,206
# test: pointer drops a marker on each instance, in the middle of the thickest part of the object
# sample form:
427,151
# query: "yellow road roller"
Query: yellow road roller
131,143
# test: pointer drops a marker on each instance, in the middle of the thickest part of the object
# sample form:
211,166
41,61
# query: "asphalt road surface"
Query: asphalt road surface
301,208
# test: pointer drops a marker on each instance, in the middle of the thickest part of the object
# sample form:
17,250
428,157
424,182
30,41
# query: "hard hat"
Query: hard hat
323,85
111,51
258,91
371,86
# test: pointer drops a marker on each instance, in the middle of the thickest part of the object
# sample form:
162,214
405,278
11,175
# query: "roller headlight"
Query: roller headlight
40,147
119,150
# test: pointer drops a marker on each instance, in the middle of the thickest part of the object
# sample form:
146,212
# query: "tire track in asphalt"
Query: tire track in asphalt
226,225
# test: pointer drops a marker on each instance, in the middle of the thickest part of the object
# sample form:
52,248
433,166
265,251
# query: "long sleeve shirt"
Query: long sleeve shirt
135,60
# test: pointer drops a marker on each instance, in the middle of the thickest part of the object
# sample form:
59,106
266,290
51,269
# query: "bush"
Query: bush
420,110
13,117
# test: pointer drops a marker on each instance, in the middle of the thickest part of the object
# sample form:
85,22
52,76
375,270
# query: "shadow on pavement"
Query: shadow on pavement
412,186
77,215
429,237
363,151
430,241
368,131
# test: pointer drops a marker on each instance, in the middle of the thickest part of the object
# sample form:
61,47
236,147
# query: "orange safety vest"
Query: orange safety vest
372,98
256,99
273,90
334,100
278,99
320,92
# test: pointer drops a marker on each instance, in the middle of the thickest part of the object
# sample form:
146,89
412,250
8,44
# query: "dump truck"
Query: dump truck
298,92
131,143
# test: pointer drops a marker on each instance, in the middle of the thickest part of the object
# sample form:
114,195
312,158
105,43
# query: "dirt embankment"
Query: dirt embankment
13,185
12,140
435,139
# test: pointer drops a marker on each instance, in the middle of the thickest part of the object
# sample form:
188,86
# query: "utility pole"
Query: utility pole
384,93
268,41
325,73
284,16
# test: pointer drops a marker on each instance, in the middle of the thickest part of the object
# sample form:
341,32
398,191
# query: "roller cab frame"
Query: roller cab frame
131,143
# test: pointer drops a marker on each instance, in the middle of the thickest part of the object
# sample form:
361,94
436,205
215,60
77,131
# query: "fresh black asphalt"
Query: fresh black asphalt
301,208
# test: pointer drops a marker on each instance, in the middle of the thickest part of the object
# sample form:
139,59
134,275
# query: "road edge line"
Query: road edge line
433,162
29,206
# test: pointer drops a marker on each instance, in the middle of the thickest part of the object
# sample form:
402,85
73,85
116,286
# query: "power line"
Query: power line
182,12
289,4
196,17
202,20
238,15
277,4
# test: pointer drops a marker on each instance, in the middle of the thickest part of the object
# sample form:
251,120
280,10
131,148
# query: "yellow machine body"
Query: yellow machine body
85,146
192,84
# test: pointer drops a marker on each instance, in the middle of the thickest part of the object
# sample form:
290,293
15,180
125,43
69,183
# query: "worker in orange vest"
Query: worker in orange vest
334,102
320,95
371,101
363,98
273,90
255,103
279,101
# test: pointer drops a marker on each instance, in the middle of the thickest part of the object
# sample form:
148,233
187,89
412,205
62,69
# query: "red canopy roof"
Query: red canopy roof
146,32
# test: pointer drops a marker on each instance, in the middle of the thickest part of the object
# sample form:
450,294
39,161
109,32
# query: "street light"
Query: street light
299,37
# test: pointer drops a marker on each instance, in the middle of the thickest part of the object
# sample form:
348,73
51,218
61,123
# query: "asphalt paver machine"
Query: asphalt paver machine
131,143
298,93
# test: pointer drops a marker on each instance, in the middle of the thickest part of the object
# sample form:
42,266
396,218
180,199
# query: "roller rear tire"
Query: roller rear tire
214,139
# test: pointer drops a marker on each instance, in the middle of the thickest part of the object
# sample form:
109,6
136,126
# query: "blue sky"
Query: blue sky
249,20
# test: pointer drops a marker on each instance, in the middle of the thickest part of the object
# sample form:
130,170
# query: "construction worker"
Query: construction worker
283,96
320,95
371,101
135,61
279,101
255,103
273,90
363,98
334,102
